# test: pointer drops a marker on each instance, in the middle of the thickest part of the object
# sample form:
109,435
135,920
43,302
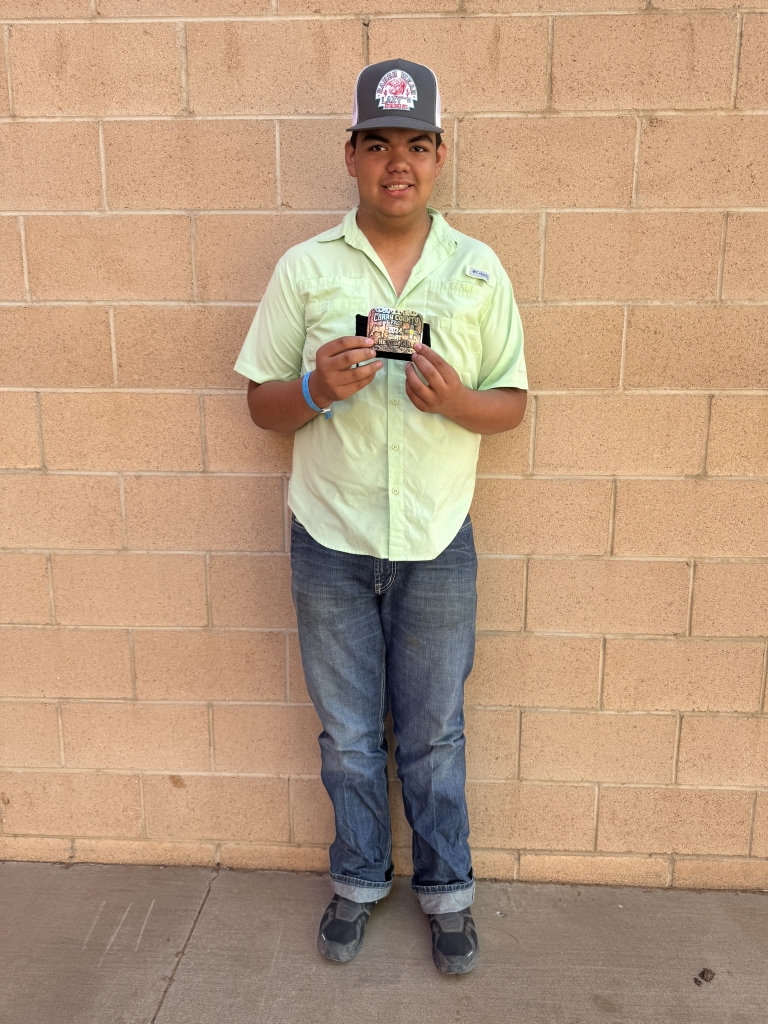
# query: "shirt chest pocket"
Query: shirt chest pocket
455,311
332,315
459,343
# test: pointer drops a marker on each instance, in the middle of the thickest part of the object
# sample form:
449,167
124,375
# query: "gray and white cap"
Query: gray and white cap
396,94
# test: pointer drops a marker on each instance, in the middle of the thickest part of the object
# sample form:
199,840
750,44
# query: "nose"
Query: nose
398,161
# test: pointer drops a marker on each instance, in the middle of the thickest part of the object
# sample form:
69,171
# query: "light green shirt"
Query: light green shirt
381,477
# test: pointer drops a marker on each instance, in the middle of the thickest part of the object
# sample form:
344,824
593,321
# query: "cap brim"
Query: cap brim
393,121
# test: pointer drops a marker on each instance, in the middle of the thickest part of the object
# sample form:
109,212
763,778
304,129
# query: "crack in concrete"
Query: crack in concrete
172,977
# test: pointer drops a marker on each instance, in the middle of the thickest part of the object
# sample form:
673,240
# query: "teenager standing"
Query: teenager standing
382,553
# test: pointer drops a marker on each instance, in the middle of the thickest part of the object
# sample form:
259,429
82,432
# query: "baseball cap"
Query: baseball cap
396,94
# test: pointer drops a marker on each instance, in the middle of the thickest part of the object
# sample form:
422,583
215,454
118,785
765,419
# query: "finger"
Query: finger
358,373
415,399
430,354
352,380
430,372
417,385
444,368
350,357
332,348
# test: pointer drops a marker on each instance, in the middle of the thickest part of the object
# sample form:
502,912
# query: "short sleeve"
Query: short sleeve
274,344
503,361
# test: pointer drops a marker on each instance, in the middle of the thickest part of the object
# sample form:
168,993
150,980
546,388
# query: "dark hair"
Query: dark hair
438,139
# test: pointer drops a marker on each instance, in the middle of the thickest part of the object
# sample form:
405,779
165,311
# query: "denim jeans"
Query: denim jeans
375,633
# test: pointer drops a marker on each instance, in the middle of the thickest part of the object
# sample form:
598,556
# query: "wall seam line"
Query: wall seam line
671,392
455,167
525,594
28,298
203,433
538,113
193,256
689,609
8,78
278,169
764,683
518,759
60,724
542,256
40,438
581,212
112,346
103,167
721,256
709,13
291,834
707,427
207,582
211,739
752,816
51,595
636,163
366,42
596,825
142,806
737,58
612,514
623,359
286,516
550,60
532,442
676,751
123,520
601,673
181,42
132,665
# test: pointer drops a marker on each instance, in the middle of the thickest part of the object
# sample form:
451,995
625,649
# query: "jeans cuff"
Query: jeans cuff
358,890
442,900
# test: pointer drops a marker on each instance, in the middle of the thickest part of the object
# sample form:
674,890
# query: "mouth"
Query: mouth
399,186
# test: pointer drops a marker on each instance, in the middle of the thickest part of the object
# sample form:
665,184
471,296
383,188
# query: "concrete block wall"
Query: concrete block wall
156,157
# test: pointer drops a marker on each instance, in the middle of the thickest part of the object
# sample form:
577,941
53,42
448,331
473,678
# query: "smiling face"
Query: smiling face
395,169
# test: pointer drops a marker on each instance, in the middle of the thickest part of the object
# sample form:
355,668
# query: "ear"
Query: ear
441,154
349,159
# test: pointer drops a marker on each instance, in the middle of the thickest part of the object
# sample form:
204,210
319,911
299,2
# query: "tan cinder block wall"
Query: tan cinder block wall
156,157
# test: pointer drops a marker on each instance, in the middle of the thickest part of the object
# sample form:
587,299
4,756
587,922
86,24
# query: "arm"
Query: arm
279,404
483,412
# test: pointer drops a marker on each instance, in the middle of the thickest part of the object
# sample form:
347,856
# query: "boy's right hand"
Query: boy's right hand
336,375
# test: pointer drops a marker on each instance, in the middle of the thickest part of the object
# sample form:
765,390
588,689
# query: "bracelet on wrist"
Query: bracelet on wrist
308,396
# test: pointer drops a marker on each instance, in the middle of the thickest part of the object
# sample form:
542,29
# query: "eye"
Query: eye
374,147
420,149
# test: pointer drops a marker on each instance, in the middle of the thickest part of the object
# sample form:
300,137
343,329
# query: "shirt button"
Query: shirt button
395,401
395,447
395,490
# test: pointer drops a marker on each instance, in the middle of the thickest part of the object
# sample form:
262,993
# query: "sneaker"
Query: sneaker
342,928
454,942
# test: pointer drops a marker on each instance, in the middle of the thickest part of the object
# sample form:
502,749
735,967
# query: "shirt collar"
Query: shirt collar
440,234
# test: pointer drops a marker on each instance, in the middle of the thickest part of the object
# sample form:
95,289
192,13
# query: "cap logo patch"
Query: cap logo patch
396,91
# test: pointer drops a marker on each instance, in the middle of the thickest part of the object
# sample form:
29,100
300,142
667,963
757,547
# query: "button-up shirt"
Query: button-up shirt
380,477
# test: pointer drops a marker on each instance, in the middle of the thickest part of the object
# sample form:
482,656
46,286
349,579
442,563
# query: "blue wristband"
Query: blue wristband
308,397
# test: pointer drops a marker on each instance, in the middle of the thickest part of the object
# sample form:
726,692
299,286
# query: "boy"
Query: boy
382,554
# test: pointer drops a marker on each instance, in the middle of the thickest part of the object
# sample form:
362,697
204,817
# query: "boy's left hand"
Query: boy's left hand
443,392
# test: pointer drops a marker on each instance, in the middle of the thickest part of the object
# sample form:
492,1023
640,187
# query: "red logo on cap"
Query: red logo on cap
396,91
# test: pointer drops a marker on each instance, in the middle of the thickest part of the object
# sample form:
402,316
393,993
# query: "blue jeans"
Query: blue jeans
374,632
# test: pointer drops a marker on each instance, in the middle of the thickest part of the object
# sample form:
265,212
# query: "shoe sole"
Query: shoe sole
339,954
446,967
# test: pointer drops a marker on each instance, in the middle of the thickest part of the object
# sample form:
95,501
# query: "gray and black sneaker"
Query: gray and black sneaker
454,942
342,928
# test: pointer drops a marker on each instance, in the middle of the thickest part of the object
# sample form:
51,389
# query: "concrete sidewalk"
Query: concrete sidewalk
91,944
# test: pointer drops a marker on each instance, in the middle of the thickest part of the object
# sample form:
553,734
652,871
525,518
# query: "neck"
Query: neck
387,232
